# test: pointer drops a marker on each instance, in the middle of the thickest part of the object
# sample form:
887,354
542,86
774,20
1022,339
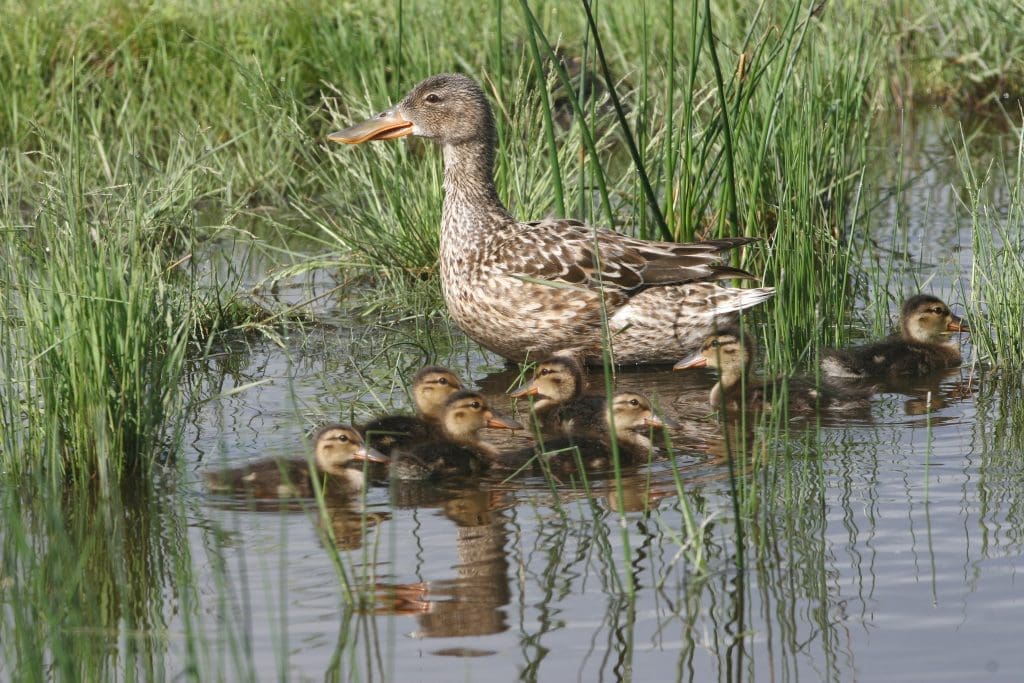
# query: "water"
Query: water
878,547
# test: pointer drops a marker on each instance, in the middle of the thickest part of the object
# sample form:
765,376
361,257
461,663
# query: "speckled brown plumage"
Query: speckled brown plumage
529,289
339,453
732,354
922,347
458,451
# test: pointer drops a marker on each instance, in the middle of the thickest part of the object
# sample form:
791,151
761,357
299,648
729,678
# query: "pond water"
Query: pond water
883,546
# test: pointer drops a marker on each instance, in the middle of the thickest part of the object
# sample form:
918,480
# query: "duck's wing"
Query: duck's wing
570,252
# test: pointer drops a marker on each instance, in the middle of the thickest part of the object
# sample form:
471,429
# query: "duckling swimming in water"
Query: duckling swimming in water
922,347
339,451
431,388
732,354
458,451
632,417
557,392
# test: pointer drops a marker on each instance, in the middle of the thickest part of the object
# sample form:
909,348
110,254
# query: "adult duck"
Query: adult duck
732,354
338,455
459,450
631,416
922,347
431,388
531,289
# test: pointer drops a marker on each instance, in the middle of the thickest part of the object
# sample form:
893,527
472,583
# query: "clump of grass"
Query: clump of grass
997,273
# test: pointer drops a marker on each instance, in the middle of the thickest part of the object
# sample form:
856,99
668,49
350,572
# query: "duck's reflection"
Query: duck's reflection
472,602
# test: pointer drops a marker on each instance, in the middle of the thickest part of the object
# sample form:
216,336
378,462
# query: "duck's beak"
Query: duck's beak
370,453
659,422
956,324
694,361
501,422
387,125
528,390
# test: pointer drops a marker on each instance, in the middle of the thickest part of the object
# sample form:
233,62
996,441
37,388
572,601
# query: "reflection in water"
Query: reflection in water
470,603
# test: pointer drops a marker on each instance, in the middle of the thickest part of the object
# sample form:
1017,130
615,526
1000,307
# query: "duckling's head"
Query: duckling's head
631,411
927,319
338,447
431,388
466,413
556,381
451,109
727,350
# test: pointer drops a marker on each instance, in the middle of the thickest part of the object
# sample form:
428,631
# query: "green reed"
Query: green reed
997,276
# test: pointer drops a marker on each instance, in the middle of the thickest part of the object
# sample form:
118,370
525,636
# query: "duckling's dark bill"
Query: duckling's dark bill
387,125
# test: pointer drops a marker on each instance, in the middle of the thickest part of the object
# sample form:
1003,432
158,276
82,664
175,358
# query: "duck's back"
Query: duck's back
396,432
436,459
269,478
892,357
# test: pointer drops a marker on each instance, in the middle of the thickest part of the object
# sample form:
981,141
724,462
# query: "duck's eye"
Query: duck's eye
545,372
432,98
442,380
715,344
475,405
633,402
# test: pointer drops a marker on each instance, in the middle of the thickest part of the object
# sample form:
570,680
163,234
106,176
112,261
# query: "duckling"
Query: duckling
632,416
431,388
733,355
338,453
922,347
459,451
557,391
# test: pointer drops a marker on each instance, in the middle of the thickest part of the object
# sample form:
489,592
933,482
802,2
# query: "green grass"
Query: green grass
122,122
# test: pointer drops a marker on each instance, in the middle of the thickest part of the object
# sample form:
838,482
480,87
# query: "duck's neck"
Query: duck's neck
470,198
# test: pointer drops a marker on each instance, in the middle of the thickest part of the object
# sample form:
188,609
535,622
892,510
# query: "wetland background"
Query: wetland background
192,277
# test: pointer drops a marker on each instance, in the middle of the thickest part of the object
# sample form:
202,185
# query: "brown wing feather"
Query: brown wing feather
578,254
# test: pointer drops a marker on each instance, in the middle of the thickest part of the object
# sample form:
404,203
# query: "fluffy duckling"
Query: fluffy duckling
338,454
922,347
557,392
431,388
732,354
459,451
632,416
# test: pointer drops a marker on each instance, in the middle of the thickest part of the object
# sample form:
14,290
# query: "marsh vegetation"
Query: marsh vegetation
193,277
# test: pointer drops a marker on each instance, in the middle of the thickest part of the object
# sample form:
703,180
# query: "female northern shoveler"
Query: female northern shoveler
532,289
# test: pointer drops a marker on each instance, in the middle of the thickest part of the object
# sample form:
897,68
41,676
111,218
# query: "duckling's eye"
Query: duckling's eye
633,402
715,344
442,380
475,405
432,98
545,372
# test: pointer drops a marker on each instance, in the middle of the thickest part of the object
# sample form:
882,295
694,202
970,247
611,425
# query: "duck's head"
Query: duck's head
467,412
632,412
556,381
927,319
431,388
727,350
450,109
337,447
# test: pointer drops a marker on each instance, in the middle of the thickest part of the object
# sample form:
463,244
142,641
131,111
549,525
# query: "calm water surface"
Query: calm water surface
880,546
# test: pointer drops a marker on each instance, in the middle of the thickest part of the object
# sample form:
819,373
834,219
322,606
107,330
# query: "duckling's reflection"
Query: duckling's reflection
349,524
471,603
